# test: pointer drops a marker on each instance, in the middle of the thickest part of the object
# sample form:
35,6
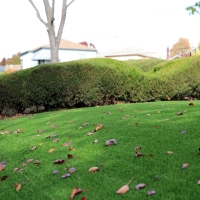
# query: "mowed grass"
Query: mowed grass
154,126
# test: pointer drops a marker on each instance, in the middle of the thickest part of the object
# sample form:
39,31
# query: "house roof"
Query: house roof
128,51
64,45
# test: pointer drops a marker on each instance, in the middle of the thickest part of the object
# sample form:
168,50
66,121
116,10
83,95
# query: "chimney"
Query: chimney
167,53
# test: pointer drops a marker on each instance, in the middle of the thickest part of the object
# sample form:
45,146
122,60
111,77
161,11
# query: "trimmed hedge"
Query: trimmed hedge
98,81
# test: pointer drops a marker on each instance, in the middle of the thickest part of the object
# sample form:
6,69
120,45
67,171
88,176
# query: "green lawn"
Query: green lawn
155,127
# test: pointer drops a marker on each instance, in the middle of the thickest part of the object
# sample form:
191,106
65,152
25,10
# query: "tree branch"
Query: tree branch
53,9
70,3
38,14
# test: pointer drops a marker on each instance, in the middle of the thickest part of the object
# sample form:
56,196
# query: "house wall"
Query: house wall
26,60
69,55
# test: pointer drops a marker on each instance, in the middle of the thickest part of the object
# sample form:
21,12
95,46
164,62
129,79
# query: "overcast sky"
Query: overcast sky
148,24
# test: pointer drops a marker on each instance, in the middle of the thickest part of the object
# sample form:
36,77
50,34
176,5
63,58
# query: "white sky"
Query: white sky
148,24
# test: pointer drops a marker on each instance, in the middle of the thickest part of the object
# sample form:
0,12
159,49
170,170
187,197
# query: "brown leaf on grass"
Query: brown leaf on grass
110,142
17,169
69,156
155,126
51,150
54,126
2,167
140,186
72,169
93,169
19,130
56,140
198,182
75,191
151,155
40,131
179,113
48,136
191,104
151,192
67,144
29,160
95,141
24,165
90,133
185,165
138,154
59,161
33,148
41,143
17,187
170,152
55,172
65,175
124,188
137,148
135,123
37,162
98,127
71,149
3,178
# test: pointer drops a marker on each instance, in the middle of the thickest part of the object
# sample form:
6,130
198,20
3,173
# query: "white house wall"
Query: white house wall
69,55
26,60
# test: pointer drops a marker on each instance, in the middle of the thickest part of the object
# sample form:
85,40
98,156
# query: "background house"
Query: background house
67,51
2,68
128,53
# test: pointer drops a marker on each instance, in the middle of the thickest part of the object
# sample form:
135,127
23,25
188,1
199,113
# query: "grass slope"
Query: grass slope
153,126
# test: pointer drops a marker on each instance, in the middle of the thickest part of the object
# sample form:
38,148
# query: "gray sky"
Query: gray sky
148,24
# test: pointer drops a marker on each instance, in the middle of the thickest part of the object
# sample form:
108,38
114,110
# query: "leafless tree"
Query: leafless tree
53,38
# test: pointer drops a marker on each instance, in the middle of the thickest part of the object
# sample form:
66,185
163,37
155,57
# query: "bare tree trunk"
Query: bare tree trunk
54,40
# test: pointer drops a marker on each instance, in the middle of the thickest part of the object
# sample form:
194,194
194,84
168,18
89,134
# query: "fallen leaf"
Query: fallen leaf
48,136
4,162
135,123
93,169
99,126
54,135
138,154
59,161
90,133
54,126
51,150
69,156
110,142
179,113
151,192
155,126
65,175
148,114
80,127
137,148
139,186
24,165
198,182
17,169
170,152
29,160
33,148
2,167
75,191
71,170
191,104
151,155
17,187
124,188
83,198
55,172
3,178
41,143
40,131
71,149
85,124
185,165
37,135
157,178
183,131
37,162
67,144
95,141
56,140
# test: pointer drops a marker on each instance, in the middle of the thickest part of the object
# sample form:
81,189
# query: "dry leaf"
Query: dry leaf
54,126
137,148
95,141
67,144
24,165
40,131
2,167
71,170
41,143
37,162
56,140
139,186
75,191
51,150
183,131
151,192
110,142
17,187
3,178
93,169
138,154
179,113
69,156
198,182
185,165
170,152
65,175
59,161
124,188
151,155
33,148
17,169
191,104
90,133
55,172
99,126
37,135
85,124
29,160
71,149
